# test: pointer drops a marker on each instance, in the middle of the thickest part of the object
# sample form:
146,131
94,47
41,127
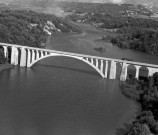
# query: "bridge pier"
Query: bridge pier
106,69
101,67
42,54
124,72
113,70
23,57
137,71
152,71
37,55
33,56
14,55
92,62
97,63
28,57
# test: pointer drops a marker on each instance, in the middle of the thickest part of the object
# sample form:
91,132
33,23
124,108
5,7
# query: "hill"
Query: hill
105,8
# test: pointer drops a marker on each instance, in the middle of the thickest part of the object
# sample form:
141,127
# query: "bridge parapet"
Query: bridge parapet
27,56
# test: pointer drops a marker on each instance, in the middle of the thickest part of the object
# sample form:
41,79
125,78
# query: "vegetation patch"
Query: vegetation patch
146,94
29,28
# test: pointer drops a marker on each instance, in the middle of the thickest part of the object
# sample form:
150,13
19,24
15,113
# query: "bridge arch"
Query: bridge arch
143,72
75,57
131,71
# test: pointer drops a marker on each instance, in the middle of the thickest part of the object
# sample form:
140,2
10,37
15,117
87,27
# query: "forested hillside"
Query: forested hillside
145,40
29,28
146,94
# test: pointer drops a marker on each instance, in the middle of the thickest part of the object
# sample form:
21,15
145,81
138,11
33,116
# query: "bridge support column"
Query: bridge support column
137,71
106,70
23,58
33,56
152,71
101,68
42,54
97,63
92,62
28,57
37,55
13,52
16,57
113,70
124,72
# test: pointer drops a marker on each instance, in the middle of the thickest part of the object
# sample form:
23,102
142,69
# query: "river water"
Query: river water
64,96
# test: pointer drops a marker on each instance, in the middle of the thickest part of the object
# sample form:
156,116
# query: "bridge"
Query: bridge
25,56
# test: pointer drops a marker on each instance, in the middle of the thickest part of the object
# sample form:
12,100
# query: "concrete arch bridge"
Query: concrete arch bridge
107,67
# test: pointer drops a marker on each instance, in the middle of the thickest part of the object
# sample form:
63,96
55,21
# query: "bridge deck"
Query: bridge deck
81,55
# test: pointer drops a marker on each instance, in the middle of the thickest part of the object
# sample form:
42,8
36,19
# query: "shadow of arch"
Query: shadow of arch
131,71
9,49
118,70
70,57
2,55
19,55
143,72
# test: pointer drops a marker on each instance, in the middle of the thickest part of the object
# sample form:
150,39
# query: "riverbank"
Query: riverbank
5,66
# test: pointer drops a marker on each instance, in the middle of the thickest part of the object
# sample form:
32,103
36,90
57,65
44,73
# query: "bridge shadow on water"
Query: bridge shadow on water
90,72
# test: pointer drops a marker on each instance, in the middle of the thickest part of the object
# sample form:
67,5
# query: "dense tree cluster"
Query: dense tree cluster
15,27
145,40
146,93
26,27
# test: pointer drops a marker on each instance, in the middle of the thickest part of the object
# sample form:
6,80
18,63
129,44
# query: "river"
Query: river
64,96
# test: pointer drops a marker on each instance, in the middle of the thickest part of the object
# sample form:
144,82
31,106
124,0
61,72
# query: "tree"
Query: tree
139,129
